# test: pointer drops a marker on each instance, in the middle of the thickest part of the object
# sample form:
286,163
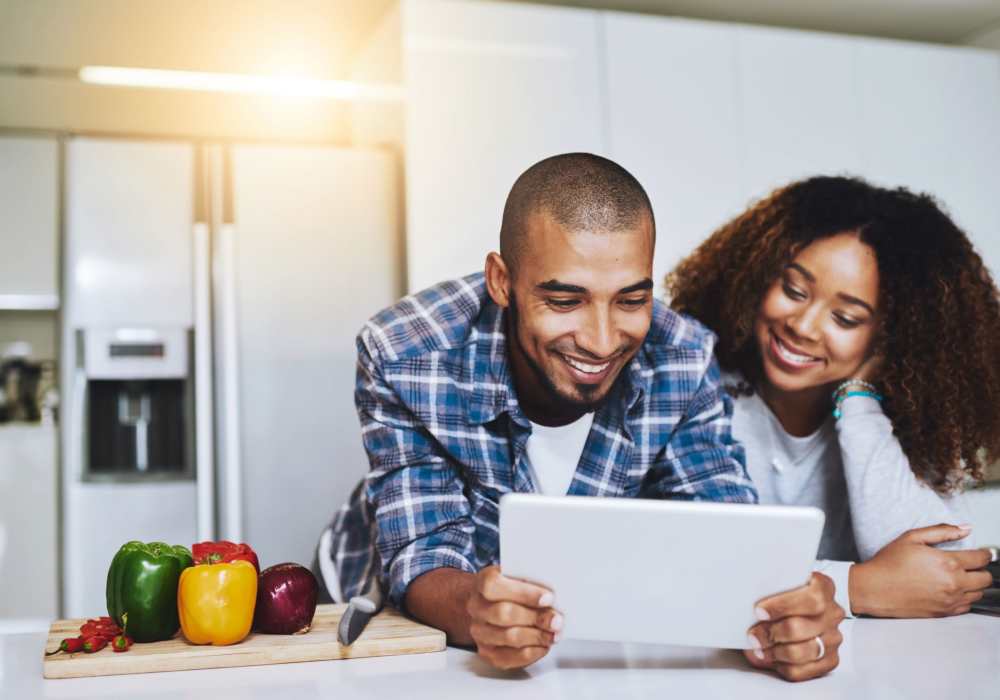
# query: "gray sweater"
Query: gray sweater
854,470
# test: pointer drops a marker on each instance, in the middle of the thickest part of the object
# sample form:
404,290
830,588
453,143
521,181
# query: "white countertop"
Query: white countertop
911,659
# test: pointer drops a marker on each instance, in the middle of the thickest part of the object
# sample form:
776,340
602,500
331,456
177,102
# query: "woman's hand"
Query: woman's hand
869,369
792,623
911,578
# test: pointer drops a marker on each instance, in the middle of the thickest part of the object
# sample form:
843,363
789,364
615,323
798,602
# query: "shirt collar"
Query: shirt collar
492,391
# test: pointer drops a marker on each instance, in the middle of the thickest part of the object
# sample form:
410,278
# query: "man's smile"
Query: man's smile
586,372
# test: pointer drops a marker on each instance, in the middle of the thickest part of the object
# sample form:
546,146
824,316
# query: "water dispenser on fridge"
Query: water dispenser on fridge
138,404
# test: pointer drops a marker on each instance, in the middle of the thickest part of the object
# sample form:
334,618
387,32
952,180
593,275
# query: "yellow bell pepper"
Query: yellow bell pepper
216,602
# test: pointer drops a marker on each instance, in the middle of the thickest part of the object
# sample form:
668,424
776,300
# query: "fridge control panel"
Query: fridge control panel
136,353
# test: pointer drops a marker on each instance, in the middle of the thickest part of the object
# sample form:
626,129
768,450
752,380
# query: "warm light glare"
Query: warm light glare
234,82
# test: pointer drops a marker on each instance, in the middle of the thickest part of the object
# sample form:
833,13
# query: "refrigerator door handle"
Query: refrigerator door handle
231,470
79,401
203,381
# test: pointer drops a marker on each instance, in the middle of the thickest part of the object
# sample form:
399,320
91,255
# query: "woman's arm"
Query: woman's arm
885,496
899,525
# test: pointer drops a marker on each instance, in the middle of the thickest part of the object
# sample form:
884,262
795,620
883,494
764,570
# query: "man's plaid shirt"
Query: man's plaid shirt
446,437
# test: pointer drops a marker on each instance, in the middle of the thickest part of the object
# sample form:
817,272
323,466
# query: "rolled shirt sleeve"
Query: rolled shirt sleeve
421,514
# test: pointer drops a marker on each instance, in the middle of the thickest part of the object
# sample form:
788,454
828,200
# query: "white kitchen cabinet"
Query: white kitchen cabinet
675,123
492,88
931,117
709,116
146,189
734,112
799,107
28,497
29,234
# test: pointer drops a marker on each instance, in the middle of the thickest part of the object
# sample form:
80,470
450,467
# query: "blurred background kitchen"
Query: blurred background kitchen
201,201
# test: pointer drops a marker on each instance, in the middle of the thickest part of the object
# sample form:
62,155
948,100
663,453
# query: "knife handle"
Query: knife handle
364,604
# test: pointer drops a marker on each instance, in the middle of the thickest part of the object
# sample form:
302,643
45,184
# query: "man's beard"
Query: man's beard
559,402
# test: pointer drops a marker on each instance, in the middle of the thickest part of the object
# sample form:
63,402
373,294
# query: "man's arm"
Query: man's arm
424,534
440,598
416,494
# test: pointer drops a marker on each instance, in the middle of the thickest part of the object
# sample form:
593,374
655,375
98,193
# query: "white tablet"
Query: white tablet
665,572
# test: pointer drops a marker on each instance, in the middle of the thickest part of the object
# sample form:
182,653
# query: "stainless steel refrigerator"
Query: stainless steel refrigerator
212,296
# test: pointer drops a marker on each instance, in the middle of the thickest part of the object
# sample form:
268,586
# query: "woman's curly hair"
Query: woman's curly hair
940,317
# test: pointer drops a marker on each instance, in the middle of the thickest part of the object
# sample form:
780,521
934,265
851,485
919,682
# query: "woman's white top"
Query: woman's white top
554,453
855,470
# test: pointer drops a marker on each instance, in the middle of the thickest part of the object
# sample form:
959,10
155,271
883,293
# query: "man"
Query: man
555,371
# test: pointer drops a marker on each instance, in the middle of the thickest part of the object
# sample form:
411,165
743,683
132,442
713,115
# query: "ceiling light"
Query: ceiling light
239,83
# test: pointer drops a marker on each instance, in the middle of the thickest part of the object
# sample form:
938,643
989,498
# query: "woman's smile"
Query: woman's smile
791,358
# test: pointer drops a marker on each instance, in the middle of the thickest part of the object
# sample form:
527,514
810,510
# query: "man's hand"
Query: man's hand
911,578
511,621
791,624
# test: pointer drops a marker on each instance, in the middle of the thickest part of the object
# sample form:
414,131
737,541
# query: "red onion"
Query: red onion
286,599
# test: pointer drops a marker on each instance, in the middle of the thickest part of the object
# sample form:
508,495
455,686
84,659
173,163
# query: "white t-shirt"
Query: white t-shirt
554,453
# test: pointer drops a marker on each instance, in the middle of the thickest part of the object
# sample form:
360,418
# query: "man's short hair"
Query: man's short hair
581,191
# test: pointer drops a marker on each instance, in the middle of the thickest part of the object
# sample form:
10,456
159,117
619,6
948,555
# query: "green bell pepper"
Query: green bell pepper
142,582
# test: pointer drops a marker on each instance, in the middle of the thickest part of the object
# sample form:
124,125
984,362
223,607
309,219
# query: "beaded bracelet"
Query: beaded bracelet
844,386
870,394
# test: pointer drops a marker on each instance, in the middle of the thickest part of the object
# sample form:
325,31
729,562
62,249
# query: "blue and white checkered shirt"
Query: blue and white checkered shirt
446,437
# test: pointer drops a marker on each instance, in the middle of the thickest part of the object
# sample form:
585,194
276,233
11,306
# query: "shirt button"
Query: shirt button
778,466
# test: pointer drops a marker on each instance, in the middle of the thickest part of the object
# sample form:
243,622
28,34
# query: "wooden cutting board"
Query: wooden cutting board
388,634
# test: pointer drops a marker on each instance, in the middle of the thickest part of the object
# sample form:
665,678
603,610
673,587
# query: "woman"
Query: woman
861,334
